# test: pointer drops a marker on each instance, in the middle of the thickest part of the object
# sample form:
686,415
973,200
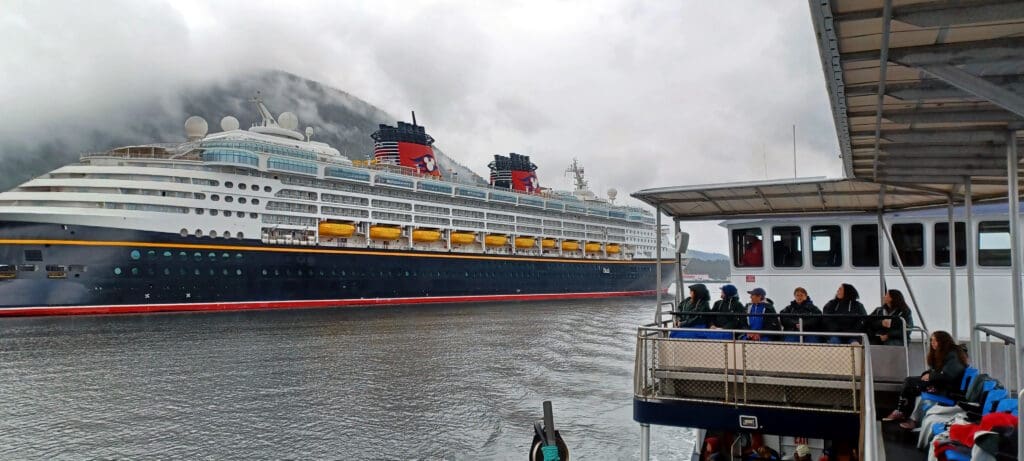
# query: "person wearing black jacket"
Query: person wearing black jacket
729,304
801,309
947,362
885,326
837,315
697,303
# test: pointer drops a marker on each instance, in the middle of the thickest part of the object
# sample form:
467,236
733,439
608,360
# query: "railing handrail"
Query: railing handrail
653,328
1007,339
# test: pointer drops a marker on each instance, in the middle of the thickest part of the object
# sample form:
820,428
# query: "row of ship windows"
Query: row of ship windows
383,274
212,234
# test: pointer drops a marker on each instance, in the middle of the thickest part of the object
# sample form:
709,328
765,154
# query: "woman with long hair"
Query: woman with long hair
844,314
885,326
808,320
946,364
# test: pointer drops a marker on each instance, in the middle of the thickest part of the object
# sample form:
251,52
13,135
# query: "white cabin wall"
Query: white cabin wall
930,283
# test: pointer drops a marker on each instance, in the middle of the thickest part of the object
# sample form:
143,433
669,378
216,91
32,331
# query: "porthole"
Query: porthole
197,256
118,271
241,186
135,271
212,256
151,255
182,256
227,234
255,187
213,272
215,198
238,272
214,212
229,184
183,232
213,234
253,215
239,255
227,213
135,255
241,200
200,196
167,271
277,272
264,272
255,201
196,272
229,199
168,254
199,233
241,215
199,211
266,188
224,271
225,256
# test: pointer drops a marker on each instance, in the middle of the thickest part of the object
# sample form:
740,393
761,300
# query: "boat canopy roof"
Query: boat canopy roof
924,96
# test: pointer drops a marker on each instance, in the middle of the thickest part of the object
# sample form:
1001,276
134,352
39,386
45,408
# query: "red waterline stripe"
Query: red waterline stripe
317,303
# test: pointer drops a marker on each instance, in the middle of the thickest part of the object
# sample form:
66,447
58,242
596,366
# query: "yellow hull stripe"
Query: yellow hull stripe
200,246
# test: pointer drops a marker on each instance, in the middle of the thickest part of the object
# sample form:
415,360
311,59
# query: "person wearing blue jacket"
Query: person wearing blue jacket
756,318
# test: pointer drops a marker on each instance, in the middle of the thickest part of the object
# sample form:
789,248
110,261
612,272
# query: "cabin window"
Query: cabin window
994,243
787,247
942,244
909,240
864,245
747,247
826,246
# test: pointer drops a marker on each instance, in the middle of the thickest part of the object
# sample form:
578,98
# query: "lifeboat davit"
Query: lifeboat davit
570,246
334,229
495,240
612,248
463,238
547,243
526,242
425,235
385,233
593,247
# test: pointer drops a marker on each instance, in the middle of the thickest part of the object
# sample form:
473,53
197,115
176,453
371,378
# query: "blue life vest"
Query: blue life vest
756,321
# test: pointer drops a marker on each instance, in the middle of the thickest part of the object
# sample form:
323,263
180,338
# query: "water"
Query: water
424,382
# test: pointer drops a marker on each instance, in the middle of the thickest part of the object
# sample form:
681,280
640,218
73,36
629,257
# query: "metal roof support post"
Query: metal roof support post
903,273
657,264
679,268
881,254
645,442
972,316
1015,256
952,270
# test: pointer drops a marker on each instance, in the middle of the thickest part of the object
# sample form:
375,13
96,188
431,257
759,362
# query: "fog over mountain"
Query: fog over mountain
339,119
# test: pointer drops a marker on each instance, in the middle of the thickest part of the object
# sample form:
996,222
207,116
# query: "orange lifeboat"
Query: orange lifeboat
425,235
463,238
592,247
547,243
570,246
526,242
495,240
334,229
612,248
385,233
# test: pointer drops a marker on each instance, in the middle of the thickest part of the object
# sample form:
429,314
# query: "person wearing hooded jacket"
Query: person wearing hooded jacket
728,304
844,304
885,326
801,310
697,303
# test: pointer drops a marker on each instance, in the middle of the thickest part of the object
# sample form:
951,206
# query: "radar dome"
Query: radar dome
195,127
288,121
229,123
612,193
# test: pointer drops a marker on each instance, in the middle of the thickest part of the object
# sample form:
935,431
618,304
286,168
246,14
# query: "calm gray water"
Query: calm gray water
424,382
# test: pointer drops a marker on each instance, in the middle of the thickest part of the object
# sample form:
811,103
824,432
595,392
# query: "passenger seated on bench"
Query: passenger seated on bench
697,303
810,315
728,304
946,364
845,303
756,318
886,323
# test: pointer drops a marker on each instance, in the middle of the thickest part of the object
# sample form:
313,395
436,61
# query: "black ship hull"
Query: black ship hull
53,269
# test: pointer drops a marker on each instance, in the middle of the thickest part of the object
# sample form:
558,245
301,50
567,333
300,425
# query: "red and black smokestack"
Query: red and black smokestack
406,145
514,172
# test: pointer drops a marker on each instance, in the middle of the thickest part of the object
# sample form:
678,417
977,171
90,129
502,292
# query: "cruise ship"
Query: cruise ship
267,217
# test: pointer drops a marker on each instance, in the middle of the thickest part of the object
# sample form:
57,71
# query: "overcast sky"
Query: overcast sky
645,94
